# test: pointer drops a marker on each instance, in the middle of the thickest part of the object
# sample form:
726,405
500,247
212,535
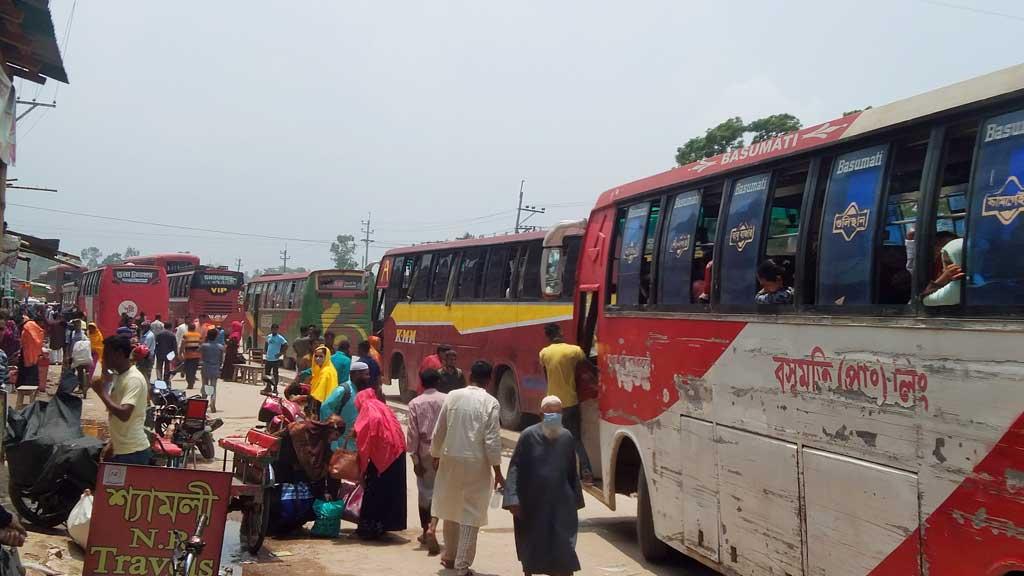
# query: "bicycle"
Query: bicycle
187,551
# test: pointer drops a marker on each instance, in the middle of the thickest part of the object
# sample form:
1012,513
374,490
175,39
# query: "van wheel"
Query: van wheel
508,399
653,549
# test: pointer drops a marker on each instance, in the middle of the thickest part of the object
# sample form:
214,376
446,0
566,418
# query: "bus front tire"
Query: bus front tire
653,549
510,415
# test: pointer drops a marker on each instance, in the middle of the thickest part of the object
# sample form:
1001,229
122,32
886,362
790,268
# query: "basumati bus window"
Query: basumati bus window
676,268
994,268
738,263
848,223
895,278
631,254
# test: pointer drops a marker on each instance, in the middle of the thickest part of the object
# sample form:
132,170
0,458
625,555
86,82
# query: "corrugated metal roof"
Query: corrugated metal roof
29,41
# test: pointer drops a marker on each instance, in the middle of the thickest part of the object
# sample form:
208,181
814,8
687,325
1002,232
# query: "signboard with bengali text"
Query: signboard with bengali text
139,512
136,275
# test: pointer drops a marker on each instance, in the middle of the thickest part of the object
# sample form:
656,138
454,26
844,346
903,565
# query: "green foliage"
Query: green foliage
465,236
130,252
91,257
343,252
772,126
113,258
730,134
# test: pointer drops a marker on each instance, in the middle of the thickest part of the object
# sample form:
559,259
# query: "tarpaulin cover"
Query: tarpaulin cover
35,431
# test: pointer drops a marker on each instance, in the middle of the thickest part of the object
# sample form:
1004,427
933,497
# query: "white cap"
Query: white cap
552,401
357,366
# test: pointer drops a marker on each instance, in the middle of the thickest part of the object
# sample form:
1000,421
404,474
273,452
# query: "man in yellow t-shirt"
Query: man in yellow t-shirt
559,360
125,403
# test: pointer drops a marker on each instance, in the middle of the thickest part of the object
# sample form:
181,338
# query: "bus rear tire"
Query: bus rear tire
653,549
510,415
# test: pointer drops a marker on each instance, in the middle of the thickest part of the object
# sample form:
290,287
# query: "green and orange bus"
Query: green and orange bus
336,301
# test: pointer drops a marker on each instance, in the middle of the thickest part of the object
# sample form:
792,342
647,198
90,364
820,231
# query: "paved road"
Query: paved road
606,545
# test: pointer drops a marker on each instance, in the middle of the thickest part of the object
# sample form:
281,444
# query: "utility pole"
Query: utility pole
284,260
530,210
366,230
238,264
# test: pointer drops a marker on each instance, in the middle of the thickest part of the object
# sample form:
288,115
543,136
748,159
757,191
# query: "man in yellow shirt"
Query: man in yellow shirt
559,360
126,402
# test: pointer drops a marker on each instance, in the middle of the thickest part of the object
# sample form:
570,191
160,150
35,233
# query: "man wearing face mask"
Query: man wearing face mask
543,493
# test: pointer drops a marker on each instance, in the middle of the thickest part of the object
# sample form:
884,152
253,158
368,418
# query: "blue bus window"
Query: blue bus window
848,223
677,251
995,271
632,254
742,243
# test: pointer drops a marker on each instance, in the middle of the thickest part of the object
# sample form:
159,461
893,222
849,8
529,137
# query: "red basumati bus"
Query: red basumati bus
481,296
172,262
207,294
871,419
109,291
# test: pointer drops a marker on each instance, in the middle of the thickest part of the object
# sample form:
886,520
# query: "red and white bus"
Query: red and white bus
171,262
109,291
207,294
860,429
484,298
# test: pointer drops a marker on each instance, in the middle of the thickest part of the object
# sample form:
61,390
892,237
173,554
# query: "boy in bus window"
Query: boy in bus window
945,290
772,278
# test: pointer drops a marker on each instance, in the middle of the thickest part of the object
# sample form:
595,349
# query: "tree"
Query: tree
91,257
465,236
731,134
343,252
772,126
112,258
130,252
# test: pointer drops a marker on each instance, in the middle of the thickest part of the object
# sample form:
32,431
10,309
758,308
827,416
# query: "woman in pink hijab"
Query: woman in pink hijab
381,446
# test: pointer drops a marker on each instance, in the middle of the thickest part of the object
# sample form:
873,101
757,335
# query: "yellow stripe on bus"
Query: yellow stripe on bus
480,316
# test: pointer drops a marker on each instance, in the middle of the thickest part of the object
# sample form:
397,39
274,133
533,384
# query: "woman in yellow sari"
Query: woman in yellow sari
324,379
96,341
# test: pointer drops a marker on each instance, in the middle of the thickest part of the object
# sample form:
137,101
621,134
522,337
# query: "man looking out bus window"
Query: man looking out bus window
559,360
273,355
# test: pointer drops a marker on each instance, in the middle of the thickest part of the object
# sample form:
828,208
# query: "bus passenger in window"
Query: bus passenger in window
941,238
945,290
772,278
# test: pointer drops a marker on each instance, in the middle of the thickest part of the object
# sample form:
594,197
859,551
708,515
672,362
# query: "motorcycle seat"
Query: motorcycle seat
255,444
164,447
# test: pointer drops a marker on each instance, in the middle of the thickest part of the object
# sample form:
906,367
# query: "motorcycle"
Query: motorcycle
49,460
191,427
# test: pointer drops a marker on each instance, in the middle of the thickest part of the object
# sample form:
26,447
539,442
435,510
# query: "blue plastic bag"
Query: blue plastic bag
328,518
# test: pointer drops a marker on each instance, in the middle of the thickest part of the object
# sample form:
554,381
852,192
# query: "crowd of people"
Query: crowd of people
454,443
452,438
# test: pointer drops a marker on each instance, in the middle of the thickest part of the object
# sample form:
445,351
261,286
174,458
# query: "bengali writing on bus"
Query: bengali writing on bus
893,383
135,276
144,511
228,280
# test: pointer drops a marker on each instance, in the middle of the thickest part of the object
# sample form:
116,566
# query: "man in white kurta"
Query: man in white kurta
467,441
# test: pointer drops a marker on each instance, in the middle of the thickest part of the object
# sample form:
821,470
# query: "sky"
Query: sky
298,120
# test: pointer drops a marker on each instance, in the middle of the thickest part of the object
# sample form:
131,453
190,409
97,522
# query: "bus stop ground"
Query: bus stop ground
606,544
